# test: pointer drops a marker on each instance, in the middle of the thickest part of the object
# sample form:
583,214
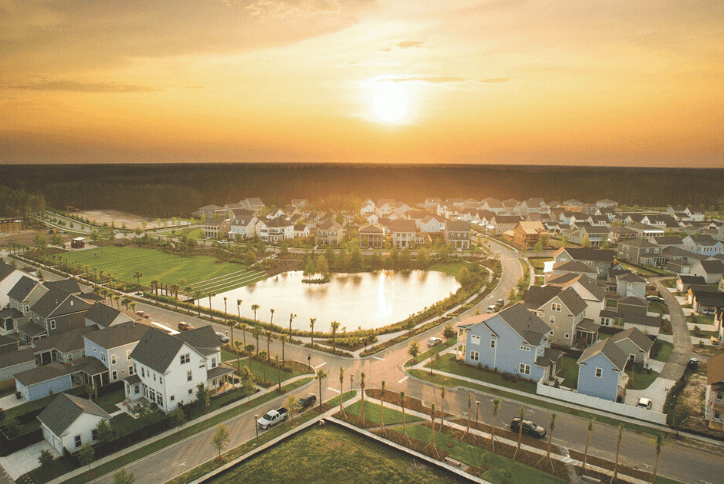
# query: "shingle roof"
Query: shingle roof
65,342
572,300
458,226
5,270
713,266
70,286
636,336
638,243
31,328
691,279
641,320
42,374
597,255
635,301
118,335
65,409
575,266
22,288
529,326
57,302
17,358
706,240
630,277
609,349
157,349
403,226
370,229
587,324
715,369
102,314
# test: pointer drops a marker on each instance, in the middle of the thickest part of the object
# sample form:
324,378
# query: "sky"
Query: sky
583,82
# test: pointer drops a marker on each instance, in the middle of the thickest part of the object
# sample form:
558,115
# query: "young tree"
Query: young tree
104,431
46,460
311,325
470,403
442,411
122,477
496,406
203,396
402,405
86,455
520,431
138,276
221,438
382,404
659,440
422,258
178,417
585,243
432,427
291,318
243,327
283,339
618,448
449,332
334,327
279,373
255,308
362,391
341,390
413,350
291,403
256,333
321,375
588,439
271,319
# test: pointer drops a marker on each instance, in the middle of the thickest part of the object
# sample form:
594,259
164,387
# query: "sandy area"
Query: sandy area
119,218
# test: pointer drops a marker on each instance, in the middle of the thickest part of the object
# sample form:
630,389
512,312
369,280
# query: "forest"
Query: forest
166,190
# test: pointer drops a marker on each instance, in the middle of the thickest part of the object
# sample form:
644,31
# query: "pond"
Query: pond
368,300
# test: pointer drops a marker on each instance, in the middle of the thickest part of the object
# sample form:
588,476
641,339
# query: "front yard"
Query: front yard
661,350
569,372
640,379
448,364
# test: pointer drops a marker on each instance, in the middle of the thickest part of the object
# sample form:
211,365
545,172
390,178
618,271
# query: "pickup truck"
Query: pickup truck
272,417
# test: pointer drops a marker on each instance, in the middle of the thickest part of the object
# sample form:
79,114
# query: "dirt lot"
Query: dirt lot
691,401
118,218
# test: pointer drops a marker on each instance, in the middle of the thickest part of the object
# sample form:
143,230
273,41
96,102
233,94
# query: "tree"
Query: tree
178,417
382,404
362,391
520,431
291,318
203,396
470,404
283,339
565,241
256,333
46,460
243,327
86,455
538,246
605,245
585,243
335,327
271,320
442,416
255,308
175,288
249,258
422,258
291,403
432,427
449,332
413,350
618,448
356,259
138,276
588,439
659,440
311,325
238,308
122,477
221,438
496,406
104,431
269,338
249,349
279,372
321,375
322,267
402,405
309,270
406,258
341,389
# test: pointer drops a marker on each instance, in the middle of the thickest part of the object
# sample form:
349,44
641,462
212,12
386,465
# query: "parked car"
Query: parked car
305,401
222,337
491,308
707,312
182,326
655,298
433,342
142,314
499,303
644,403
272,417
529,428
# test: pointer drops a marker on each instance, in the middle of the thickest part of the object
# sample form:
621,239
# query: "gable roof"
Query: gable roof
715,369
609,349
43,374
65,342
370,229
17,358
712,266
457,226
633,301
157,349
65,409
691,279
529,326
22,288
705,240
597,255
102,314
57,302
403,226
630,277
531,227
575,266
636,336
118,335
70,286
5,270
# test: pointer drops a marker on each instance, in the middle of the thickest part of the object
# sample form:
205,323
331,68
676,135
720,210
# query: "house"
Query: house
512,341
645,231
493,205
601,371
702,244
63,347
634,343
649,325
562,309
42,381
683,282
632,305
708,301
695,214
113,347
57,311
640,252
503,223
9,276
432,224
457,233
403,233
211,211
711,270
69,422
587,288
619,233
168,368
371,236
570,267
215,228
527,234
274,230
16,362
25,293
301,230
242,227
606,203
714,398
631,285
10,224
595,235
105,316
329,232
299,202
598,258
254,204
9,320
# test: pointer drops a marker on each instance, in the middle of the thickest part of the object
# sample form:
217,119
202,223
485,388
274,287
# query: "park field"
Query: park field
124,262
332,455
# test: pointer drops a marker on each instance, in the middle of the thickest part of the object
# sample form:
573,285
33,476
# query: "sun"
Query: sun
390,102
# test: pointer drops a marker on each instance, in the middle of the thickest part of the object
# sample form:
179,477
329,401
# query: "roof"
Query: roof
669,240
64,342
22,288
575,266
17,358
118,335
213,222
68,285
14,313
132,379
589,325
102,314
8,340
42,374
641,320
58,302
65,409
685,279
638,243
715,369
630,277
633,301
370,229
507,219
157,349
706,240
220,370
403,226
636,336
458,226
330,224
713,266
609,349
31,328
89,365
203,339
532,228
597,255
549,355
529,326
5,270
572,300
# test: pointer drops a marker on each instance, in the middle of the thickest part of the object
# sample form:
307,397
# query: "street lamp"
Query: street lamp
256,426
477,407
309,360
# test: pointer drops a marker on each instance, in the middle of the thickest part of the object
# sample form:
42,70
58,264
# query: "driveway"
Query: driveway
24,461
675,366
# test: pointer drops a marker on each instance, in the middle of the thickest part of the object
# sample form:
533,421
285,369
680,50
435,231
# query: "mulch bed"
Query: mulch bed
410,403
608,465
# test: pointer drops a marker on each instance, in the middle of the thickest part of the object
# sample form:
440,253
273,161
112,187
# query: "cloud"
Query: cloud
495,80
407,44
73,86
429,80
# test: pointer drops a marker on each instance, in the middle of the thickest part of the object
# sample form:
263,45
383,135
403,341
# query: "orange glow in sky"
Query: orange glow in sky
579,82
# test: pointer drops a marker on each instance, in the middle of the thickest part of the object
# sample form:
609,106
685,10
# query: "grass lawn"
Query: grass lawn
658,307
666,327
333,455
125,424
449,268
539,262
124,262
641,380
448,364
703,334
570,372
700,320
500,469
259,369
662,350
436,349
670,283
108,402
372,413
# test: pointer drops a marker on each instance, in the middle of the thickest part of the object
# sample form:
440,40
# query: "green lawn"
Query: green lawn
570,372
700,320
436,349
124,262
448,364
332,455
662,350
125,424
259,369
538,263
449,268
372,413
499,469
641,380
108,402
658,307
670,283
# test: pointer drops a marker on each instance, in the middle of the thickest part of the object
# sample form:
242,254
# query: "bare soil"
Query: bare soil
117,218
691,403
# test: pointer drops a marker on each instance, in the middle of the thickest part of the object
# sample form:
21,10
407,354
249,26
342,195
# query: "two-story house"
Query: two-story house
714,399
274,230
640,252
702,244
105,316
403,233
631,285
432,224
25,293
9,276
113,347
55,312
167,368
562,310
601,371
587,288
513,341
457,233
242,227
527,234
329,232
215,228
371,236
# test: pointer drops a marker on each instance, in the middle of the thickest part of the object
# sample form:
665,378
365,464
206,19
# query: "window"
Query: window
191,391
213,362
130,370
52,324
78,441
599,373
103,357
631,357
135,370
160,379
474,340
138,389
566,336
172,398
492,343
94,434
474,356
143,372
525,348
550,332
128,354
185,358
159,400
82,354
555,307
524,369
154,377
553,320
70,356
189,377
114,375
113,359
95,350
152,394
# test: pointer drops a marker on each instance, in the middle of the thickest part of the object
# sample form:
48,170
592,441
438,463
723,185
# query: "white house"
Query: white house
70,422
9,276
167,368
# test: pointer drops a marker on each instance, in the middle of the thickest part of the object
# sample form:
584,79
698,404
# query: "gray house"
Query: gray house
113,347
105,316
601,371
43,381
513,341
635,344
16,362
62,348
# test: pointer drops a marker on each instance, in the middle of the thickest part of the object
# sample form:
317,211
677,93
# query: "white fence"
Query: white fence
605,405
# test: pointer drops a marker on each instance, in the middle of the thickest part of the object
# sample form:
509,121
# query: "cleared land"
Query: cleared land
124,262
332,455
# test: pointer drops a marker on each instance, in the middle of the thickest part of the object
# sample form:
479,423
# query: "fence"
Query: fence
600,404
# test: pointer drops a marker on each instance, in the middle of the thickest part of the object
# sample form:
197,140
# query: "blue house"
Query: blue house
513,341
601,371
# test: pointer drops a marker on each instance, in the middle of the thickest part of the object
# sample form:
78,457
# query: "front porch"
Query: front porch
586,334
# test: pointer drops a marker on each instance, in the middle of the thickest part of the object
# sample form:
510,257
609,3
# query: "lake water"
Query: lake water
366,300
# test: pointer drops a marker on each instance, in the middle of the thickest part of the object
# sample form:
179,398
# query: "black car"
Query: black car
306,401
529,428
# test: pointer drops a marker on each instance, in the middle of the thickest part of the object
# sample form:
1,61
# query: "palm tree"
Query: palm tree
225,314
104,293
243,327
175,288
362,389
520,431
550,439
341,389
618,447
283,339
210,295
291,317
442,416
138,276
125,301
496,406
402,404
659,440
154,285
269,337
271,320
470,403
256,332
255,308
432,427
238,307
291,402
279,374
382,404
249,348
335,327
117,298
311,324
321,375
588,439
198,295
237,345
132,306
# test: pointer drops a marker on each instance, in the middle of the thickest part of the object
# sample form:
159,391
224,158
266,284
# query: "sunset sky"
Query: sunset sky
615,82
